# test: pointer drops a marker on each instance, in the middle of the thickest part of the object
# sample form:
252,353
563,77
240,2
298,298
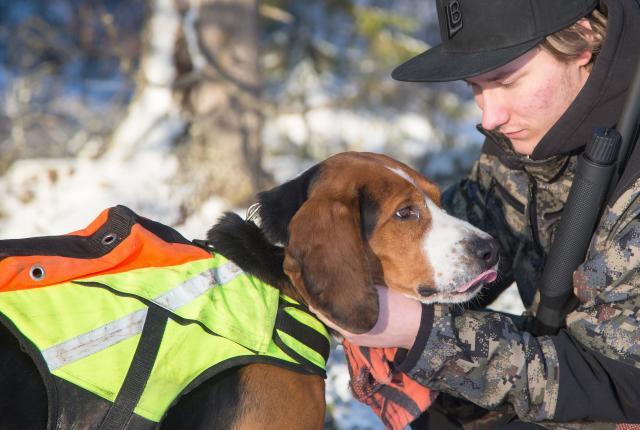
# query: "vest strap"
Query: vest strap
141,365
302,332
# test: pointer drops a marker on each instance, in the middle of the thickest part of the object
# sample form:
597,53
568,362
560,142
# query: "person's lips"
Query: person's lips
514,134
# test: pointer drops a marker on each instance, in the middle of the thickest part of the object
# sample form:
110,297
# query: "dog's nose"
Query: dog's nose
485,250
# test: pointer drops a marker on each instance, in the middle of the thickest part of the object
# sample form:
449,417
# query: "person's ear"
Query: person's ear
585,23
585,57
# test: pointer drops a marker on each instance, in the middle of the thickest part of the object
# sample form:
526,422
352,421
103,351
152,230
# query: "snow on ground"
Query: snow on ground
509,301
324,131
56,196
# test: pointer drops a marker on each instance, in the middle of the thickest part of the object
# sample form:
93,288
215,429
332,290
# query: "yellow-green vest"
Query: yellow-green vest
203,314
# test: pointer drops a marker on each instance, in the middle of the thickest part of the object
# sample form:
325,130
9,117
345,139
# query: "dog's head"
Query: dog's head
360,219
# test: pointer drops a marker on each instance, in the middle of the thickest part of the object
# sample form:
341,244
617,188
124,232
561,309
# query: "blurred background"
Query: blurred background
181,109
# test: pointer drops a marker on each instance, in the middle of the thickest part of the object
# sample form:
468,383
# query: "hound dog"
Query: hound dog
325,239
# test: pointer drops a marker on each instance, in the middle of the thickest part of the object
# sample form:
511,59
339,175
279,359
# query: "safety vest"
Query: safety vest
129,310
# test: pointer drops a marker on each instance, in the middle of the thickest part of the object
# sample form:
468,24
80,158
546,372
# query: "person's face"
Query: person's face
524,98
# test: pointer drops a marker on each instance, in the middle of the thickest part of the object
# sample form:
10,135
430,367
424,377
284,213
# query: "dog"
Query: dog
324,238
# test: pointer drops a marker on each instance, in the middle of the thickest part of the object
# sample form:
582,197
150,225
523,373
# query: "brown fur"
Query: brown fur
280,399
328,260
340,236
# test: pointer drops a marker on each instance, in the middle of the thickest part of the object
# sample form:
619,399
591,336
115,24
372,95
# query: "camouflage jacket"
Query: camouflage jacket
582,378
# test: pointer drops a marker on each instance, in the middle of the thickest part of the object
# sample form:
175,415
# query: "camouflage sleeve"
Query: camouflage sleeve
484,358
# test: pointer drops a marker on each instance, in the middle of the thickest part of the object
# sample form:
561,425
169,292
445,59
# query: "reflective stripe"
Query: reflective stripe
193,288
226,273
96,340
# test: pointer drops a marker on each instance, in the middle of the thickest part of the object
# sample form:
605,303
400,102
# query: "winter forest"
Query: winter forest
182,109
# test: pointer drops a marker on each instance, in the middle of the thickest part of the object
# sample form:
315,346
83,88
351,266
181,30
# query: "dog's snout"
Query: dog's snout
485,250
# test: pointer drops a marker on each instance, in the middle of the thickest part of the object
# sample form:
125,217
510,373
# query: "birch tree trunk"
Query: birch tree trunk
153,116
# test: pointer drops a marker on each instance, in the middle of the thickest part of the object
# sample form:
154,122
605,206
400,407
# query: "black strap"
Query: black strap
141,365
117,227
302,332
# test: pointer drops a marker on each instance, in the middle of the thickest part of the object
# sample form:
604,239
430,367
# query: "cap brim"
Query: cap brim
439,65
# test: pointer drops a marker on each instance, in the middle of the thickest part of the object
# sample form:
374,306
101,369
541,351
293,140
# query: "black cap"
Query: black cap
481,35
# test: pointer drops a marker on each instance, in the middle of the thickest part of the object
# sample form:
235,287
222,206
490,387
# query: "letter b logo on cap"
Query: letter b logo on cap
454,17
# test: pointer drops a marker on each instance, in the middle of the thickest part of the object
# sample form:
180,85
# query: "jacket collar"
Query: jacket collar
545,170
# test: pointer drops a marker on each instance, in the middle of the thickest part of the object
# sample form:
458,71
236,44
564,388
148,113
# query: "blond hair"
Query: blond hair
569,43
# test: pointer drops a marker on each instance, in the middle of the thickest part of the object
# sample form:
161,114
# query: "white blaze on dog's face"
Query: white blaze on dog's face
463,257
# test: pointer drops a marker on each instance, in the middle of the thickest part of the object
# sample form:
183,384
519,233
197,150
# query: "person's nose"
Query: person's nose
494,110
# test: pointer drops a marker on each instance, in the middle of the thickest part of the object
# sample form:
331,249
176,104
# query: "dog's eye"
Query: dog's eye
407,213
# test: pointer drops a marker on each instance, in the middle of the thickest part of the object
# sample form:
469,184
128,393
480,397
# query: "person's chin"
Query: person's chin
523,146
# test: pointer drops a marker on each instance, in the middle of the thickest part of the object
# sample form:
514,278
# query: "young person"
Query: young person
545,73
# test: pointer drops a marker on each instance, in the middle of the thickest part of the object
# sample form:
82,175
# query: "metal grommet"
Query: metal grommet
109,239
37,272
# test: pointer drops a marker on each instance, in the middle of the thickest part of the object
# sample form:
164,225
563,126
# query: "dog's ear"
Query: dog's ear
278,205
329,262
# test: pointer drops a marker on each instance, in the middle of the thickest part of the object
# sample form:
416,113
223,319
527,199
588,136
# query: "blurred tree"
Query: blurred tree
200,82
240,90
335,56
220,85
66,70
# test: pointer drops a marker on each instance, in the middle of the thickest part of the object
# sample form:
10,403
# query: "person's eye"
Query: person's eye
407,213
508,83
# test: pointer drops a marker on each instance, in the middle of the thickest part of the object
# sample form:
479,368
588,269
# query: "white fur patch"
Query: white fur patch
403,175
444,245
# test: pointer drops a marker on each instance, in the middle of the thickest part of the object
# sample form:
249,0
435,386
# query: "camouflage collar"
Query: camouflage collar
546,170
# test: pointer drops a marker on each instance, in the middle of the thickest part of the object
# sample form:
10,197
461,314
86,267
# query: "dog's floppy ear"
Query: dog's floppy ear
278,205
329,262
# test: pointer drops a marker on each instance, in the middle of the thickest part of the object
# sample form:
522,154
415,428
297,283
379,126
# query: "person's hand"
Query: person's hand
397,326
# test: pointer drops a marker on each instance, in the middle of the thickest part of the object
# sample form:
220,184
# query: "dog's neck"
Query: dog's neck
244,243
289,290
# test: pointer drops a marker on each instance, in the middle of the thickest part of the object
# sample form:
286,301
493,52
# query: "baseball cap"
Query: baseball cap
481,35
